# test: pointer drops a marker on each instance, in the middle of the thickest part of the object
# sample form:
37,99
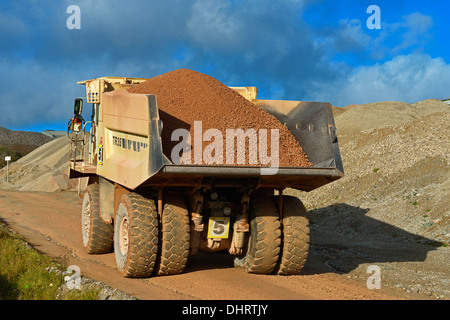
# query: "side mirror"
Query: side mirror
78,107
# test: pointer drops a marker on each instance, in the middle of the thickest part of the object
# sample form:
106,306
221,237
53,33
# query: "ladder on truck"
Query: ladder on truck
77,153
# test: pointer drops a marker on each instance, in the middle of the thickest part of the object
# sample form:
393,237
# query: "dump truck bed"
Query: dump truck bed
311,123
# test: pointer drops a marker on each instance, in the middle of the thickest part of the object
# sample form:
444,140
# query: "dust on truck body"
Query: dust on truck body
154,213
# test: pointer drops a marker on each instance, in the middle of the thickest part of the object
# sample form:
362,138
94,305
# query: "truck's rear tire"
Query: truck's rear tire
175,236
96,234
264,242
136,236
295,237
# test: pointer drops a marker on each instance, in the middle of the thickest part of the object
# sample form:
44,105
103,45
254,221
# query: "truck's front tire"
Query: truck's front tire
136,236
97,235
264,243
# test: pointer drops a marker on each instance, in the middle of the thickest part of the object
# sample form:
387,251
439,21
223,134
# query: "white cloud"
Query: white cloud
411,33
349,36
407,78
417,27
352,35
214,25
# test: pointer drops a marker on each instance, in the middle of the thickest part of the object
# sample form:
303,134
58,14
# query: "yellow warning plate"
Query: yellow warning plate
218,227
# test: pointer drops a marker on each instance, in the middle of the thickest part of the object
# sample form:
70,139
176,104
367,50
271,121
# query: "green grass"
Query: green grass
24,273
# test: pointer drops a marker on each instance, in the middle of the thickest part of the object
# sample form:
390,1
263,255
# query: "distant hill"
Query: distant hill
19,143
26,138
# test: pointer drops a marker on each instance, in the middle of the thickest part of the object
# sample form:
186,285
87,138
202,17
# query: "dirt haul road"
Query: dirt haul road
50,222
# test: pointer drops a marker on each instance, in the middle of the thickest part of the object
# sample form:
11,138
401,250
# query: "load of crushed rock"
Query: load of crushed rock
185,96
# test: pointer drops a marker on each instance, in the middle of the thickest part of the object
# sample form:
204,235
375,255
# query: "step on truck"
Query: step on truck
154,213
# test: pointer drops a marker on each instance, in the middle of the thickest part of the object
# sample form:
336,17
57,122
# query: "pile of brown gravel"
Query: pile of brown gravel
185,96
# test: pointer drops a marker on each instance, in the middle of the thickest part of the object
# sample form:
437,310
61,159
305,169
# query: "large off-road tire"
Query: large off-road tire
175,236
136,236
295,237
264,242
97,235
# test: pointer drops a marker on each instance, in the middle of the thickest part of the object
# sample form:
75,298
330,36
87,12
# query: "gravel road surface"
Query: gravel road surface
50,222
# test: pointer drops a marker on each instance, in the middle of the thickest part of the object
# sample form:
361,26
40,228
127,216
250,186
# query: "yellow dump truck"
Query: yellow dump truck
154,213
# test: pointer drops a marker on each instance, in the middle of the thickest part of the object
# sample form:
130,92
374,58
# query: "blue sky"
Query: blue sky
290,49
